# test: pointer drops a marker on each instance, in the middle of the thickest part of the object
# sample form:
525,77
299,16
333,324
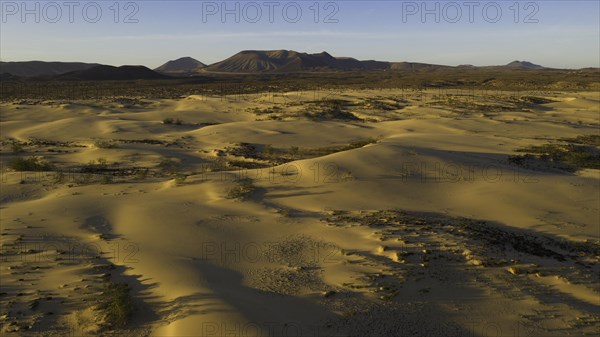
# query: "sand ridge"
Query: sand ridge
280,216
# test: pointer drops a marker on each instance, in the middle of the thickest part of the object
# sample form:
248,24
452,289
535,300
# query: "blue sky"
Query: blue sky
552,33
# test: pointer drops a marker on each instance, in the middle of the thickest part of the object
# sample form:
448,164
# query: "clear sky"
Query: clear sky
562,34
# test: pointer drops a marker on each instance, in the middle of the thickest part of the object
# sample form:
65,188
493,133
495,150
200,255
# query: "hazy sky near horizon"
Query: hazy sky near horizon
562,34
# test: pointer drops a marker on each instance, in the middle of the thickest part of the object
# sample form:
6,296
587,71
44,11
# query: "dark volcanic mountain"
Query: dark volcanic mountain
257,61
103,73
41,68
245,62
523,65
184,66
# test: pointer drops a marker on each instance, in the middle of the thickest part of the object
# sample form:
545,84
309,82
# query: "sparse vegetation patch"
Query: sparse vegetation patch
569,154
105,144
171,121
29,164
116,303
267,155
242,189
332,109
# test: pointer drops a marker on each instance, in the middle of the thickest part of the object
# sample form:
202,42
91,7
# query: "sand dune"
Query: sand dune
367,212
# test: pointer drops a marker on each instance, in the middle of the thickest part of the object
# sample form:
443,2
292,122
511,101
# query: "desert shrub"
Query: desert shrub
536,100
329,109
16,147
586,140
270,155
330,113
141,173
268,150
247,164
573,154
180,179
582,160
143,141
98,165
362,142
242,190
294,150
59,177
102,162
323,151
29,164
105,144
171,121
266,111
169,165
371,103
347,176
107,179
243,150
117,304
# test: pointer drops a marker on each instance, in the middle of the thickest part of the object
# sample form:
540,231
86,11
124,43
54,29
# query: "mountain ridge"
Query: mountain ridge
42,68
524,65
243,62
258,61
107,73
